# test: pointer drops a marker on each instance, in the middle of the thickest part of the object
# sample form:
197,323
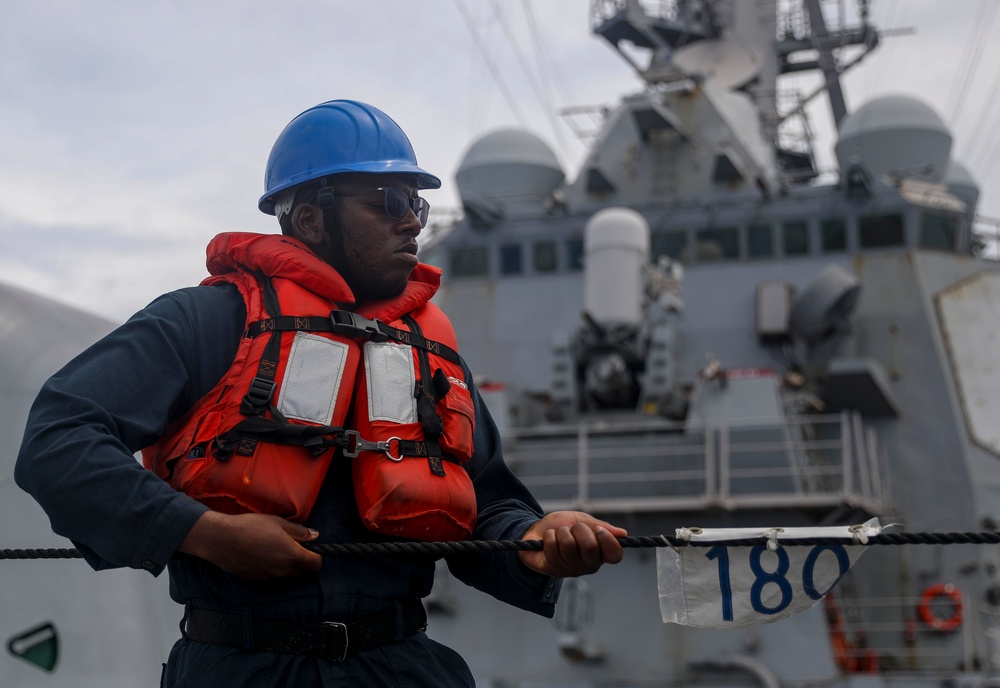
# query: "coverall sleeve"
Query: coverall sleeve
506,510
77,458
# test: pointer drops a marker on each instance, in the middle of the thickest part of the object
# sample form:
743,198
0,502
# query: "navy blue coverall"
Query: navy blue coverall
77,460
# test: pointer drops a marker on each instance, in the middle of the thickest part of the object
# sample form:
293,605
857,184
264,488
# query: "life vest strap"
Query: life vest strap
394,448
243,438
258,396
430,419
256,427
350,324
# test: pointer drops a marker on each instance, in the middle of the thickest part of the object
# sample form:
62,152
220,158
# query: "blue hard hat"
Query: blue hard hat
336,137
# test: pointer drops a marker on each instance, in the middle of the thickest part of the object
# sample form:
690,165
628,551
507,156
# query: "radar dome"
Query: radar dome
507,167
895,135
616,245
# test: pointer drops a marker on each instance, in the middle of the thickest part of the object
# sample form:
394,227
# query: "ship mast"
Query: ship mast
824,42
739,47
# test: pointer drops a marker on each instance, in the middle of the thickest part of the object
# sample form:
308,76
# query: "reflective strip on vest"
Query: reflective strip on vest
391,381
312,378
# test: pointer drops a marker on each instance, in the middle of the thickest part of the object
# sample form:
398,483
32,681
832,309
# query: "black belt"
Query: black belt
330,640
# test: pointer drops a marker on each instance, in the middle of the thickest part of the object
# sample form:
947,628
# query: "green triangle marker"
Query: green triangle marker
38,646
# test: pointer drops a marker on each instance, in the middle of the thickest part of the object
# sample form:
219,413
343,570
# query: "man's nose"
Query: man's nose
410,224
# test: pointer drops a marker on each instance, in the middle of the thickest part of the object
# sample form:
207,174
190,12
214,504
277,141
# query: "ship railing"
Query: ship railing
795,461
887,635
991,632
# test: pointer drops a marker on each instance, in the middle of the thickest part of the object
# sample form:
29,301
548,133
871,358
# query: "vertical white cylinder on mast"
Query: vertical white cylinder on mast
616,245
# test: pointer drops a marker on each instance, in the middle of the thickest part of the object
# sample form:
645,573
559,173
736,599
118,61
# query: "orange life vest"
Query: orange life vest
383,384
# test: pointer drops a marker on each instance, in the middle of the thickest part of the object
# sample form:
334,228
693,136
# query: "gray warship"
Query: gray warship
700,330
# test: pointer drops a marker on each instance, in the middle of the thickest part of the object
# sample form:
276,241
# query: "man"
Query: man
267,423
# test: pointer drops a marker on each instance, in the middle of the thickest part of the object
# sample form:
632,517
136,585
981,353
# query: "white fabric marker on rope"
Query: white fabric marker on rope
729,586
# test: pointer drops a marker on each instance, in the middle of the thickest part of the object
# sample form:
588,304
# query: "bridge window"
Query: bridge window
544,256
671,244
510,260
469,261
880,231
760,241
574,255
938,231
833,234
795,238
717,243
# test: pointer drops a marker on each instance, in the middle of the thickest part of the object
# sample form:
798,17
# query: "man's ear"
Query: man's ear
307,224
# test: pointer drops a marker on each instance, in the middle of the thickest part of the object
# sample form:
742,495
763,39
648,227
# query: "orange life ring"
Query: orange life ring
927,615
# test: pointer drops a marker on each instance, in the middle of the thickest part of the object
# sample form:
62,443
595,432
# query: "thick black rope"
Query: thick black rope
473,546
39,554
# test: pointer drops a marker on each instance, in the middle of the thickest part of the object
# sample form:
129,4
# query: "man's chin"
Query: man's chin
380,292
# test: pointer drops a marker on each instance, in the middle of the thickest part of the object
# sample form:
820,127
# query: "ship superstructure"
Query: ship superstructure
698,330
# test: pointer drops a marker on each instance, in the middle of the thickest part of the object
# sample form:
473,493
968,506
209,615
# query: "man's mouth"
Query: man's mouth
408,252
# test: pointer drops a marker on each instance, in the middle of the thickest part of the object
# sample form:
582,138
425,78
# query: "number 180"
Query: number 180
778,577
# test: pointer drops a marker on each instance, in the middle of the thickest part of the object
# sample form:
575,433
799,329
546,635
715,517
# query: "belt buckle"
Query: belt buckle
331,640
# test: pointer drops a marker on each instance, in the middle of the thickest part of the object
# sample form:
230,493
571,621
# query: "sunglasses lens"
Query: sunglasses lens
420,208
396,203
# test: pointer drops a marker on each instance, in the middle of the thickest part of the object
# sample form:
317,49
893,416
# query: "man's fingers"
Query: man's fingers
611,549
307,560
572,550
614,531
300,532
311,561
581,548
573,544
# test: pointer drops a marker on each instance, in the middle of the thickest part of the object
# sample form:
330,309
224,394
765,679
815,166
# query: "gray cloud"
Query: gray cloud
133,132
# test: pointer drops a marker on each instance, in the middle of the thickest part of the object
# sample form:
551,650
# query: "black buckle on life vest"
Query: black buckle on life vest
353,444
257,397
350,324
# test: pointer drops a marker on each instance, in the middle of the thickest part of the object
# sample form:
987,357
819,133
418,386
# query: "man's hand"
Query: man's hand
252,546
573,544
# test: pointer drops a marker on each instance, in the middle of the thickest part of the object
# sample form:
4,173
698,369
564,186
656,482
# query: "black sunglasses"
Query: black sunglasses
397,202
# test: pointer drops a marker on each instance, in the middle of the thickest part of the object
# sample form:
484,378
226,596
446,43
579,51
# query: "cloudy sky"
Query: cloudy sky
131,133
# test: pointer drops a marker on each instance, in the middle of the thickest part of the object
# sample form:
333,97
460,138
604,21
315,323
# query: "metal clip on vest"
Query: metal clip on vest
350,324
354,445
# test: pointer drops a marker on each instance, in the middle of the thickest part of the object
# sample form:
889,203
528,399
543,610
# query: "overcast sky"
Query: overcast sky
131,132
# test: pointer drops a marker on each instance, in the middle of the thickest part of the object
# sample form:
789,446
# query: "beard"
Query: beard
355,265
